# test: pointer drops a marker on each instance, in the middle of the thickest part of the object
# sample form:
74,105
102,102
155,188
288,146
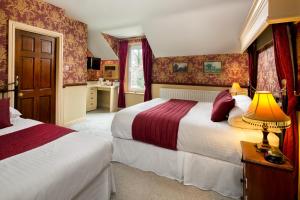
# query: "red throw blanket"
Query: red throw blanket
26,139
159,125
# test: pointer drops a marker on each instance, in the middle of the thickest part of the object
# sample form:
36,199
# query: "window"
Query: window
135,69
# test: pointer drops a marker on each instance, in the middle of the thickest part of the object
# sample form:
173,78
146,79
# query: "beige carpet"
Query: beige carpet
134,184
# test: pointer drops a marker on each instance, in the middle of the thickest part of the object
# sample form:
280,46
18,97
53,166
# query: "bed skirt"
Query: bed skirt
100,188
190,169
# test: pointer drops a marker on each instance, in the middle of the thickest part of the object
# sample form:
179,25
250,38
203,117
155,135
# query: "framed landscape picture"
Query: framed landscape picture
180,67
212,67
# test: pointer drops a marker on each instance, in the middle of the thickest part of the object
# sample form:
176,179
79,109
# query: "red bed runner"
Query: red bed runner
27,139
159,125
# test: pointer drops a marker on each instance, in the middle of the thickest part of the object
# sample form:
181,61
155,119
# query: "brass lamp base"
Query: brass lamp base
264,146
261,147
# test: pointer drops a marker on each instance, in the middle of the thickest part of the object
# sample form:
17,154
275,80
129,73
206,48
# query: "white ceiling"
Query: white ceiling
173,27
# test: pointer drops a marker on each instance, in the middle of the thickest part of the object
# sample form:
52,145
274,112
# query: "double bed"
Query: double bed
75,166
208,153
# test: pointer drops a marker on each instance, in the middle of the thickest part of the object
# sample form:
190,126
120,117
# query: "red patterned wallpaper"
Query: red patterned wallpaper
94,75
267,78
114,42
41,14
234,69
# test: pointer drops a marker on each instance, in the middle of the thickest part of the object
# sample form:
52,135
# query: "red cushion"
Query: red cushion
4,113
222,107
220,95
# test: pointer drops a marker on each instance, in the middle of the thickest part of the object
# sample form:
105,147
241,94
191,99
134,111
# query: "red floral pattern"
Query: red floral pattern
267,78
41,14
234,69
94,75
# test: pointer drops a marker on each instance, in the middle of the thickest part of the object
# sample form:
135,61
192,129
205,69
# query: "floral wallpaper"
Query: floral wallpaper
113,42
94,75
234,69
267,78
41,14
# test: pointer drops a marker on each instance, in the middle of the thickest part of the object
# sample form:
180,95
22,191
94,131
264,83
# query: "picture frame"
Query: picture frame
180,67
212,67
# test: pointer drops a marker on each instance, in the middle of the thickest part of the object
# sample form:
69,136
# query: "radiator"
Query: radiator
196,95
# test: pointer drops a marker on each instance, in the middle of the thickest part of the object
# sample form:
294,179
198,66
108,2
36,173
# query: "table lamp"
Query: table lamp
265,113
235,88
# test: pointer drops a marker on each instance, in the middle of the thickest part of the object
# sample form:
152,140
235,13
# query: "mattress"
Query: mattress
197,133
57,170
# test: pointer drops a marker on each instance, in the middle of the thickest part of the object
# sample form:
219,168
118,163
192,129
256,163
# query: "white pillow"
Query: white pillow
14,113
242,103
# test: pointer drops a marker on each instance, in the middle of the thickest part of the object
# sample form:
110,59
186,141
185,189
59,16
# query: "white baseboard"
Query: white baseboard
70,123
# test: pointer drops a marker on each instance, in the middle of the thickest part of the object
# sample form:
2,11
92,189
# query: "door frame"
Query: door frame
13,26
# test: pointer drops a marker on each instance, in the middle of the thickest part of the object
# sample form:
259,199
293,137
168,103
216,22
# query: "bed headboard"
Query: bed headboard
10,87
186,94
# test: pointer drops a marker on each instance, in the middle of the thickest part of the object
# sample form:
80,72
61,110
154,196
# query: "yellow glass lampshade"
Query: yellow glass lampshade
265,112
235,88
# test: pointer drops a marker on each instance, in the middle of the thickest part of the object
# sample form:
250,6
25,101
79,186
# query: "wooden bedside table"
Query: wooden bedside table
263,180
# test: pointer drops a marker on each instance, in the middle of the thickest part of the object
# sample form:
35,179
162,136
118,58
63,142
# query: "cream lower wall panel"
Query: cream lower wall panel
133,99
74,104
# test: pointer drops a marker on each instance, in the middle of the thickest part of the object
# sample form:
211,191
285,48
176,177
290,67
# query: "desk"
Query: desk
92,96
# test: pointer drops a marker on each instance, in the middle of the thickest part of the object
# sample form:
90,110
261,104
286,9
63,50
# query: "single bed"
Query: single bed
208,153
75,166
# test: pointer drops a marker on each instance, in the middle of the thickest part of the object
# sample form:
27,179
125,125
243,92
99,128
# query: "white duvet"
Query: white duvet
197,133
57,170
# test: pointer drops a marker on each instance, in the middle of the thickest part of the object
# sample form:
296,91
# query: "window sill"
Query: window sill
131,92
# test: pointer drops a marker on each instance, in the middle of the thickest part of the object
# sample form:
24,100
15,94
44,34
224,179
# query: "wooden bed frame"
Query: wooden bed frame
5,89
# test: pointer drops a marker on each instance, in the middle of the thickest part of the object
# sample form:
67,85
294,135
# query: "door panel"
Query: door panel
36,69
45,73
27,43
27,107
27,70
45,107
46,46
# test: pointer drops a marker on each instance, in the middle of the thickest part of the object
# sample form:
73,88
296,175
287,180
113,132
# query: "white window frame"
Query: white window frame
129,88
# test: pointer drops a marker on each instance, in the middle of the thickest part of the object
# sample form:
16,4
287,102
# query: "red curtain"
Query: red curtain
123,48
252,62
284,68
147,66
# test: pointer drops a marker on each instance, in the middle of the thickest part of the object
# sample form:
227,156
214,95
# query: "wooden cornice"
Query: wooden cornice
265,12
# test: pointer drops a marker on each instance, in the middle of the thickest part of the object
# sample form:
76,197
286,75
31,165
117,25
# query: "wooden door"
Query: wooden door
35,66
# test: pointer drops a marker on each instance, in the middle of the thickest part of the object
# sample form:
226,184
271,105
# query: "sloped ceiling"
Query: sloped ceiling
99,46
173,27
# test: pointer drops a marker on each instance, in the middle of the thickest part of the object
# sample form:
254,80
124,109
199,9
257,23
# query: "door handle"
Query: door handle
20,94
17,81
